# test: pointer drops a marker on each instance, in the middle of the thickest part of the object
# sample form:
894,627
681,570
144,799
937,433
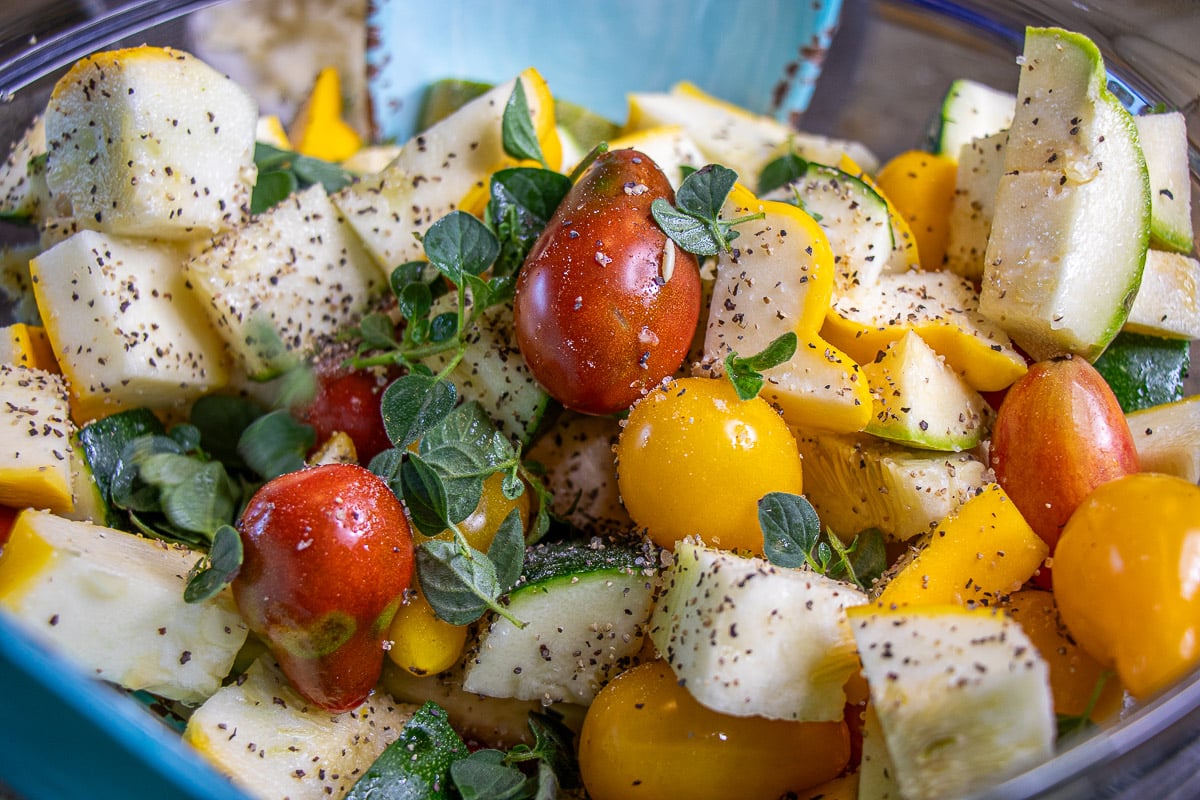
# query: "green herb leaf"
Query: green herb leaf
406,273
522,200
458,581
221,420
424,495
695,223
414,302
792,537
791,529
413,404
516,128
554,744
459,243
417,765
781,172
746,373
271,188
484,775
275,444
215,571
1073,725
310,171
507,551
203,502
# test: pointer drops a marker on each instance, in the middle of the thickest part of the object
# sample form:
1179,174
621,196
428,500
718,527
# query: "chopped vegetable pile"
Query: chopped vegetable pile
692,456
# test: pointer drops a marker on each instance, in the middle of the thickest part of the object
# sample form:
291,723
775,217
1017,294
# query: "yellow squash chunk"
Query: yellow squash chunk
125,326
273,743
442,169
319,129
777,280
270,130
35,440
151,142
983,550
27,346
1167,438
942,308
113,602
920,187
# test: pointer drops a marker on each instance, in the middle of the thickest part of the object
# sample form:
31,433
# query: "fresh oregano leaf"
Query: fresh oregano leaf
694,222
424,495
414,301
417,765
791,529
554,745
702,194
507,551
458,581
780,172
271,188
413,404
275,444
221,419
484,775
516,128
217,569
458,243
746,373
204,502
312,171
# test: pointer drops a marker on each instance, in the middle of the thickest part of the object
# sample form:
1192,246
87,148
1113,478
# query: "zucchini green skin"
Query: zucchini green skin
1145,371
102,441
557,562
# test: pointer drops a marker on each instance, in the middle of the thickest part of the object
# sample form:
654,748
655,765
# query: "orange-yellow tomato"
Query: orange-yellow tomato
644,736
480,527
1127,578
694,459
1074,675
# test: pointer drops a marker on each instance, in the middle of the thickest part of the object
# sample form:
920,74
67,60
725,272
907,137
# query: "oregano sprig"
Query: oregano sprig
746,374
792,537
694,222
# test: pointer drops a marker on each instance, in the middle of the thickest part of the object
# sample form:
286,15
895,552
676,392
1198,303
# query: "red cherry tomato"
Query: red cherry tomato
328,556
348,401
606,304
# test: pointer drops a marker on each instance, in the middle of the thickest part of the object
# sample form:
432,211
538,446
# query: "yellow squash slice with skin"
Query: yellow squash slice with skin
905,247
982,551
444,168
27,346
319,129
113,602
779,279
35,440
920,186
940,307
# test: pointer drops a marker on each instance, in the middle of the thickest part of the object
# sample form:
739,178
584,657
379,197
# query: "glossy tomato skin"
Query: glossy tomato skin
1126,579
645,736
1058,435
694,460
328,556
348,400
606,304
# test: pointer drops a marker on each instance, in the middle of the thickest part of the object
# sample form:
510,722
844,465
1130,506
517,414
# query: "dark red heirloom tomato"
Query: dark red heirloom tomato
606,304
328,556
348,401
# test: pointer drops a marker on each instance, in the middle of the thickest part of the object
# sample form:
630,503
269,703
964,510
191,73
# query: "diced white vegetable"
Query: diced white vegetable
113,602
748,638
274,744
126,329
963,697
1168,301
35,440
151,142
294,275
980,167
1164,142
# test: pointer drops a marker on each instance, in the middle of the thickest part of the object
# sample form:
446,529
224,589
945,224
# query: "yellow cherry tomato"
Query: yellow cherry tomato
694,459
645,736
1074,675
480,527
1127,578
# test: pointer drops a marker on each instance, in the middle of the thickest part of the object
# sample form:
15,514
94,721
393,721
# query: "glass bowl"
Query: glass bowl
65,735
